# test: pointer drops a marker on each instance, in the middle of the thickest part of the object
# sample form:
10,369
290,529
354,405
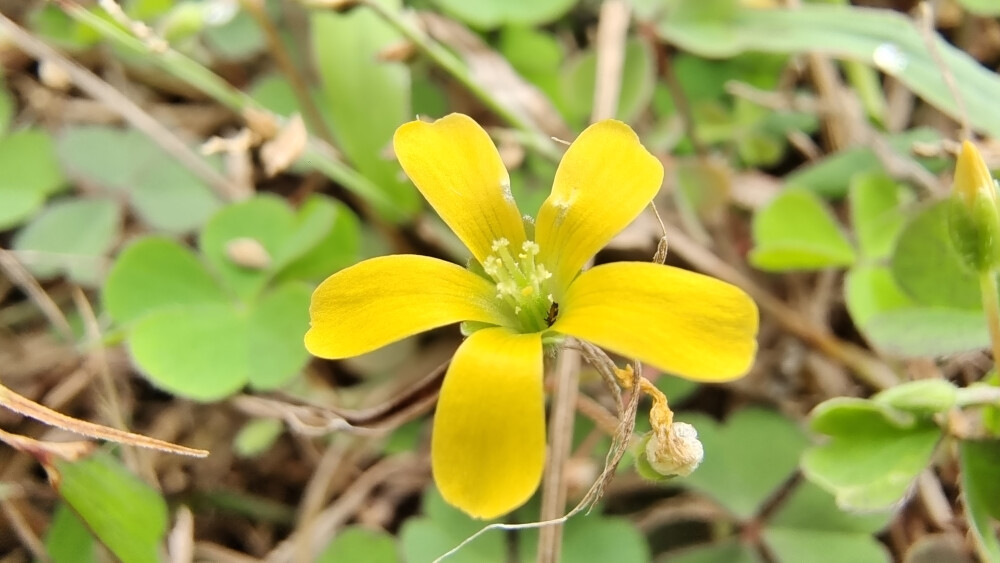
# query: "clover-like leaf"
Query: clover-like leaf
746,460
897,324
809,527
797,231
30,175
876,213
154,273
874,454
927,265
164,193
210,351
72,236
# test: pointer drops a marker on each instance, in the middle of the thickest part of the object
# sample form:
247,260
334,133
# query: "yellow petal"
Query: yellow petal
604,181
488,444
679,321
381,300
458,170
972,176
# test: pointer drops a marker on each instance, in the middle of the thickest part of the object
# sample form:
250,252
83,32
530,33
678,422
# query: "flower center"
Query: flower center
522,285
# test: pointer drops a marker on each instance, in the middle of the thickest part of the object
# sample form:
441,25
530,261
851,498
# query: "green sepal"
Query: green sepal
469,327
642,465
974,231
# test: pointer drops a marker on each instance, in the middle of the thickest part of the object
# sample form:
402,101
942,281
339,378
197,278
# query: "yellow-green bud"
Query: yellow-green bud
974,219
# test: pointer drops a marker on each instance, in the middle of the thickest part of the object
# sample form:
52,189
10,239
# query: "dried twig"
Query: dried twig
567,382
612,30
26,407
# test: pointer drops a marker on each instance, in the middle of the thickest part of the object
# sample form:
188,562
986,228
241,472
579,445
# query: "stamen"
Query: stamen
520,284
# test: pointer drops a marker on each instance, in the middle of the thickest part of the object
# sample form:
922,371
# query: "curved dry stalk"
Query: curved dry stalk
26,407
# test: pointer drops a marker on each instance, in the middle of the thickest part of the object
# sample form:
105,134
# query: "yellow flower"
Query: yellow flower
488,441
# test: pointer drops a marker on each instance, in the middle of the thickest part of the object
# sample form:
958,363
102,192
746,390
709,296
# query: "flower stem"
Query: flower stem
567,379
991,305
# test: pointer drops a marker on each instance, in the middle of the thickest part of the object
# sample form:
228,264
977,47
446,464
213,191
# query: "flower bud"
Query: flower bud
973,219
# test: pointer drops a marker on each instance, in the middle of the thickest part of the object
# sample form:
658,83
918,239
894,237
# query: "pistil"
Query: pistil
521,283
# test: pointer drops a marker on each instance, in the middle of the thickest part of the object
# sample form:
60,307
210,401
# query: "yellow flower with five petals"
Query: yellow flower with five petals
488,439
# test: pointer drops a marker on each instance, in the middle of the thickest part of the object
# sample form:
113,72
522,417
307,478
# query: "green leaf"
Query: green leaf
367,98
71,236
894,323
155,273
126,515
208,352
874,455
871,290
723,552
875,200
355,543
884,38
165,194
537,56
927,266
981,489
30,175
309,257
238,39
746,460
832,175
928,331
257,436
266,219
810,527
926,396
68,539
797,231
275,330
490,14
197,352
638,80
593,538
424,539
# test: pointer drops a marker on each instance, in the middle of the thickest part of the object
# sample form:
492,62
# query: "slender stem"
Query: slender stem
991,304
284,61
567,376
978,394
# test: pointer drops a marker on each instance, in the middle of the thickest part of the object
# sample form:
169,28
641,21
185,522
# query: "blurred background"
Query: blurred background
177,177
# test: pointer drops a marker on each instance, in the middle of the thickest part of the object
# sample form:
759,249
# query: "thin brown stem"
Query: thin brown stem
26,407
567,378
284,61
